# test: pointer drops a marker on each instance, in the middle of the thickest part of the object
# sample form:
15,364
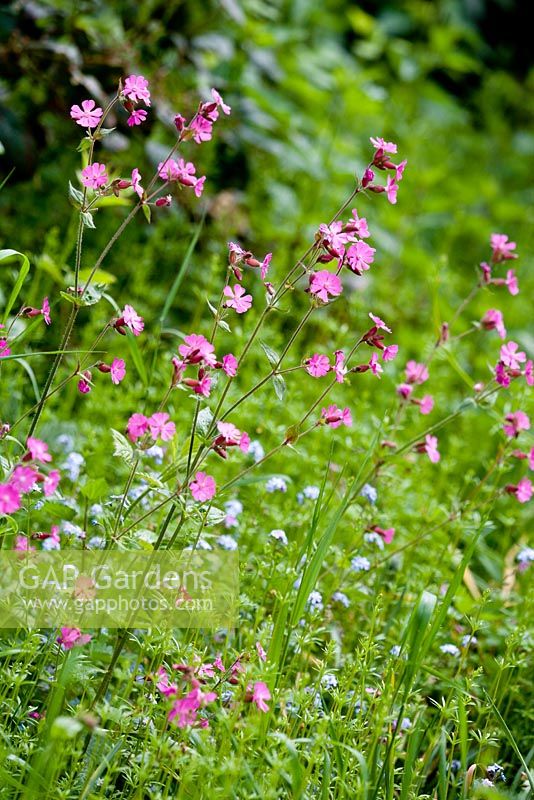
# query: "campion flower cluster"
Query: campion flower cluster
187,450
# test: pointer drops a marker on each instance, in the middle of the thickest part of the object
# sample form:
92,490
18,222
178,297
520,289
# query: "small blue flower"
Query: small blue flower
279,535
73,465
395,650
369,492
315,601
276,484
450,649
256,450
227,542
329,681
342,599
360,564
374,538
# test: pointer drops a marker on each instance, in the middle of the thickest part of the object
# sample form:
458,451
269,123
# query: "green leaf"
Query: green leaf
8,255
75,194
204,420
279,387
94,488
181,272
52,508
100,276
122,447
137,357
85,144
147,212
215,516
88,220
272,356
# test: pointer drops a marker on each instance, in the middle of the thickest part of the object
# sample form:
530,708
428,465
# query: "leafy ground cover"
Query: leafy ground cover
384,636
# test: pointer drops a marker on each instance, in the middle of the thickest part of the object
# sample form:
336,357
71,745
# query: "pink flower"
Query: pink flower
23,479
237,298
339,366
167,689
379,144
430,447
160,427
137,117
38,451
203,487
501,248
137,426
334,238
94,175
531,458
132,320
501,375
201,128
515,423
51,482
199,186
511,282
229,365
325,283
379,323
9,499
88,116
218,99
72,637
391,190
529,373
118,370
168,170
260,693
523,490
136,89
390,352
357,225
136,183
317,366
511,357
261,652
22,544
187,707
230,436
359,257
5,350
84,384
416,373
375,366
387,534
404,390
426,404
201,386
264,266
493,320
196,349
45,311
335,416
399,171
